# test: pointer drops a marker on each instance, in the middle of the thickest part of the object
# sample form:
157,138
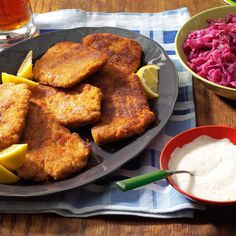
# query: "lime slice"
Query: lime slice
7,177
25,69
8,78
148,76
14,156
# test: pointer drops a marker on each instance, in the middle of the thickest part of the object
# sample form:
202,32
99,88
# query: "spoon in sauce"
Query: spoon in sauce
138,181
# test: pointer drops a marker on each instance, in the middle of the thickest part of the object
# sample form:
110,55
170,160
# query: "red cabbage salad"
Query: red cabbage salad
211,52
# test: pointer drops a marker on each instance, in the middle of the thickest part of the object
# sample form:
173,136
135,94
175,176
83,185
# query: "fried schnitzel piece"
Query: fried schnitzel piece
121,51
54,152
72,108
68,63
125,111
14,103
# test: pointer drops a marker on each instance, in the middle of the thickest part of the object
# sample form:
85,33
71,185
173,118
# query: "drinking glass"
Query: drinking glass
16,22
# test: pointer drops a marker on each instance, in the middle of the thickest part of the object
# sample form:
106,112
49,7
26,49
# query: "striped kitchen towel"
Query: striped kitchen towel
158,200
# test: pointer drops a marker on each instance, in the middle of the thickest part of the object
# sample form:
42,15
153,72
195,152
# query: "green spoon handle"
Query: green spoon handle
141,180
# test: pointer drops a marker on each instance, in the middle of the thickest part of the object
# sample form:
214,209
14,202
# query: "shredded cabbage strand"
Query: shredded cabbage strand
211,51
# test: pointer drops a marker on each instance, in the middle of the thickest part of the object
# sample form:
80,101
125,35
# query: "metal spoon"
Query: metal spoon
136,182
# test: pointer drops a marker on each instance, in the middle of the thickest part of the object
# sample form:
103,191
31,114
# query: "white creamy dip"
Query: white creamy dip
213,163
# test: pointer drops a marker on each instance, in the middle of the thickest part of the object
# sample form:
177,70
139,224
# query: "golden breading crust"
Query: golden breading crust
14,103
120,51
125,111
71,108
54,152
68,63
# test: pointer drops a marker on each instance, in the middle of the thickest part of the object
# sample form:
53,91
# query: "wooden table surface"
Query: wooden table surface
210,109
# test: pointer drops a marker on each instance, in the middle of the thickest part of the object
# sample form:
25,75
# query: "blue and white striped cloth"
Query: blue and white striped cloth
159,199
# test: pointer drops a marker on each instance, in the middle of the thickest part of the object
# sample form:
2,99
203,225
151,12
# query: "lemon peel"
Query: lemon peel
26,67
14,156
148,77
8,78
7,177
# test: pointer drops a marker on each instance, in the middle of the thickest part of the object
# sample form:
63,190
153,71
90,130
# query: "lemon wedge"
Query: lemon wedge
148,76
14,156
7,177
26,68
8,78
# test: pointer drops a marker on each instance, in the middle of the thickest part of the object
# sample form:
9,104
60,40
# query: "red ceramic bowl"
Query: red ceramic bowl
214,131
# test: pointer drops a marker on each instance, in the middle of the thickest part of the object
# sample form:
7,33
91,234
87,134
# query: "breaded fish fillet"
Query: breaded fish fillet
54,152
14,103
67,63
121,51
70,107
125,111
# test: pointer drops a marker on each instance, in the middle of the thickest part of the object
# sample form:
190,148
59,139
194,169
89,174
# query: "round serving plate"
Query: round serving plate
107,159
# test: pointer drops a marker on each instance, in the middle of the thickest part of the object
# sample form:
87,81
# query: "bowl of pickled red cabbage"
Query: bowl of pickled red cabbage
206,46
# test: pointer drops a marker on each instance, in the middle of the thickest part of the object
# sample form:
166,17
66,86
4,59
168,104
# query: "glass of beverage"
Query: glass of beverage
16,22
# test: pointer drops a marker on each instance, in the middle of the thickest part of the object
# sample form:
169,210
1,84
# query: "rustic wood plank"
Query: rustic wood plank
212,109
